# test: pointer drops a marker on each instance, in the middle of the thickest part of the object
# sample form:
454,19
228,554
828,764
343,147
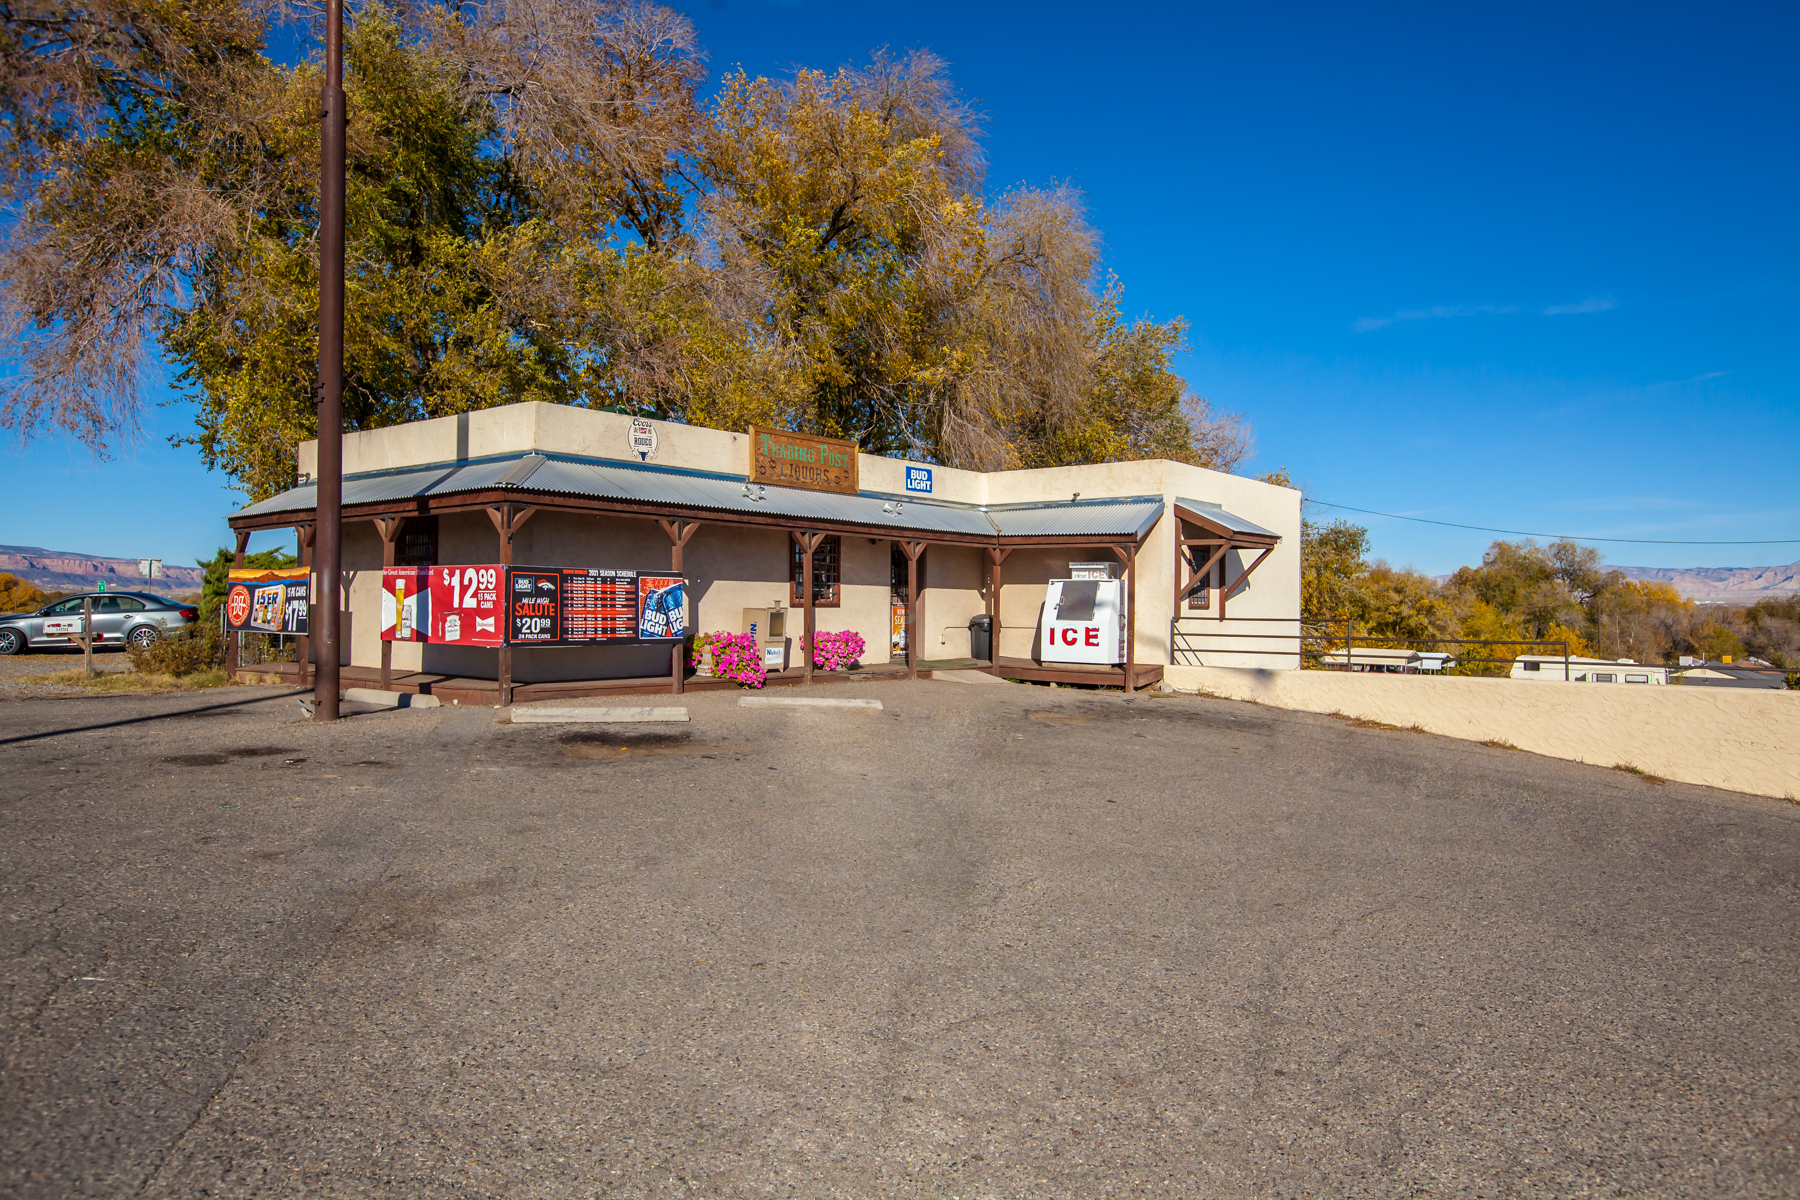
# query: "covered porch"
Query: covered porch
621,507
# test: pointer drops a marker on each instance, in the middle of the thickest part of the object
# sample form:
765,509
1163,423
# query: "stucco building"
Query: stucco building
1212,560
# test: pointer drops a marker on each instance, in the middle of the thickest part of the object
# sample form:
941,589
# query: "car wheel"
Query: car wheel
143,636
11,641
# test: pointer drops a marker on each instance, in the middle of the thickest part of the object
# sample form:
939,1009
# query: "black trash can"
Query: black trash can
981,637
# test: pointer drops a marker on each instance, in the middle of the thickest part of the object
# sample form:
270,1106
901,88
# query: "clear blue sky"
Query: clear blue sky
1535,268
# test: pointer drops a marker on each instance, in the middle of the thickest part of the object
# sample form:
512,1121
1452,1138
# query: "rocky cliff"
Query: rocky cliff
1723,585
65,571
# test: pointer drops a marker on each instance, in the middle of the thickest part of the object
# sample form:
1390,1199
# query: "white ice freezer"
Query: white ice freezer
1084,621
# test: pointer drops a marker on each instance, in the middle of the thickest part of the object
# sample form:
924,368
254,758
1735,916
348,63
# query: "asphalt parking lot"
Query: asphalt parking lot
985,942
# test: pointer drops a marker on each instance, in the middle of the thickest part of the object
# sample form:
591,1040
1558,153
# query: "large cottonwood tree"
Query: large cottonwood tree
540,206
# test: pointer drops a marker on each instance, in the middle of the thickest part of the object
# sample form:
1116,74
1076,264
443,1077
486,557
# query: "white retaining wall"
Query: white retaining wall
1742,739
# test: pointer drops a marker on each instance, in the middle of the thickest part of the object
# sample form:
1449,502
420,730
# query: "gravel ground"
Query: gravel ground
985,942
18,672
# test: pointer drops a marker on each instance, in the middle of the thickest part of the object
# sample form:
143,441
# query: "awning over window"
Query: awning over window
1205,535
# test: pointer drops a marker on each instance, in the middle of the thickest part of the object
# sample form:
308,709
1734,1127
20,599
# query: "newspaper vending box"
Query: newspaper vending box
769,627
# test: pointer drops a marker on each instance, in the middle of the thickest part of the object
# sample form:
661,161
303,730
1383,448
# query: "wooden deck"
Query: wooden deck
454,689
1143,674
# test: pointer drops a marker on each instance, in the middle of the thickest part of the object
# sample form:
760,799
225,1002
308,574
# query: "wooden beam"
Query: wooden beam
912,550
389,529
1202,577
679,529
508,519
1127,554
1239,581
808,541
231,638
998,555
1241,541
1131,620
679,532
303,543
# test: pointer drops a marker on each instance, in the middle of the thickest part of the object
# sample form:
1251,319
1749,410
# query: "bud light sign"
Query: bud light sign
918,479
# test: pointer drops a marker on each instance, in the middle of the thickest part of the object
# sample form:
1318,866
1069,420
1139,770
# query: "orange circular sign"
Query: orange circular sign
237,604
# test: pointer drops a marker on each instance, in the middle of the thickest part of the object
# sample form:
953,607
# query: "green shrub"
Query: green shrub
196,648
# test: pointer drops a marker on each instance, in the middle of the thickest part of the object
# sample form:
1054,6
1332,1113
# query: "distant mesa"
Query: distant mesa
67,571
1722,585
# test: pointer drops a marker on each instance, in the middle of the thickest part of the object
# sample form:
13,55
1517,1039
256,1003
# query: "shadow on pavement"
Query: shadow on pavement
161,716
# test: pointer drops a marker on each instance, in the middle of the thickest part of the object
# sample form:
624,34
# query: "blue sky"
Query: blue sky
1527,267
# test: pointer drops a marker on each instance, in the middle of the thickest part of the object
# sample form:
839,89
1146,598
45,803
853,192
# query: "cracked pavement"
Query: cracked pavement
987,942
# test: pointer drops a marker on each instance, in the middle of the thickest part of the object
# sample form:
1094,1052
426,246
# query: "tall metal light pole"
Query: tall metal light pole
328,542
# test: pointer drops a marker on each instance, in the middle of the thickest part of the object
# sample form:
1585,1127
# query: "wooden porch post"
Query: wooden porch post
303,536
679,532
1131,620
389,529
998,556
231,639
1224,581
808,542
912,550
503,659
508,519
1128,556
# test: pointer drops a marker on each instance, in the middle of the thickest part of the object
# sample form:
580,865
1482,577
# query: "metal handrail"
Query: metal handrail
1322,627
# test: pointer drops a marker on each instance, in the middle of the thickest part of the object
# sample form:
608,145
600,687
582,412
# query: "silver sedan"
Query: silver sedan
120,619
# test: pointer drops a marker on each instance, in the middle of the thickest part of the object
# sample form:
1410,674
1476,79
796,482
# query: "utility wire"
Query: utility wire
1572,537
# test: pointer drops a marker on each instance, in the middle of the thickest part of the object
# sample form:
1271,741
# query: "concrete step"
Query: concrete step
530,714
803,702
376,696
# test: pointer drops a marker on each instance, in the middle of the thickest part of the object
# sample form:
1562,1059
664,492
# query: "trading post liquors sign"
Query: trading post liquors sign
802,461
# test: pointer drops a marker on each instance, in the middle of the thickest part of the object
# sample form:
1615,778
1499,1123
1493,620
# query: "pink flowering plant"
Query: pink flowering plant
835,651
735,656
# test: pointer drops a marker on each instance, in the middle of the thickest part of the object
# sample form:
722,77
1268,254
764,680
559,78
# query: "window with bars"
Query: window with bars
1200,599
826,592
417,546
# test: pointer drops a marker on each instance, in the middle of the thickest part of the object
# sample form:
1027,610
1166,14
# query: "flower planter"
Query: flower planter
837,652
733,656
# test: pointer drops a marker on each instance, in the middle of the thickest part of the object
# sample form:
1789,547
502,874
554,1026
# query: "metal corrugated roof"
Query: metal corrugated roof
392,485
643,484
655,485
1231,521
639,484
1129,518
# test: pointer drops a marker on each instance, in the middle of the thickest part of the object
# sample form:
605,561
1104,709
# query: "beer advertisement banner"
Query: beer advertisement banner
581,606
405,604
533,606
599,606
267,601
662,608
466,606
